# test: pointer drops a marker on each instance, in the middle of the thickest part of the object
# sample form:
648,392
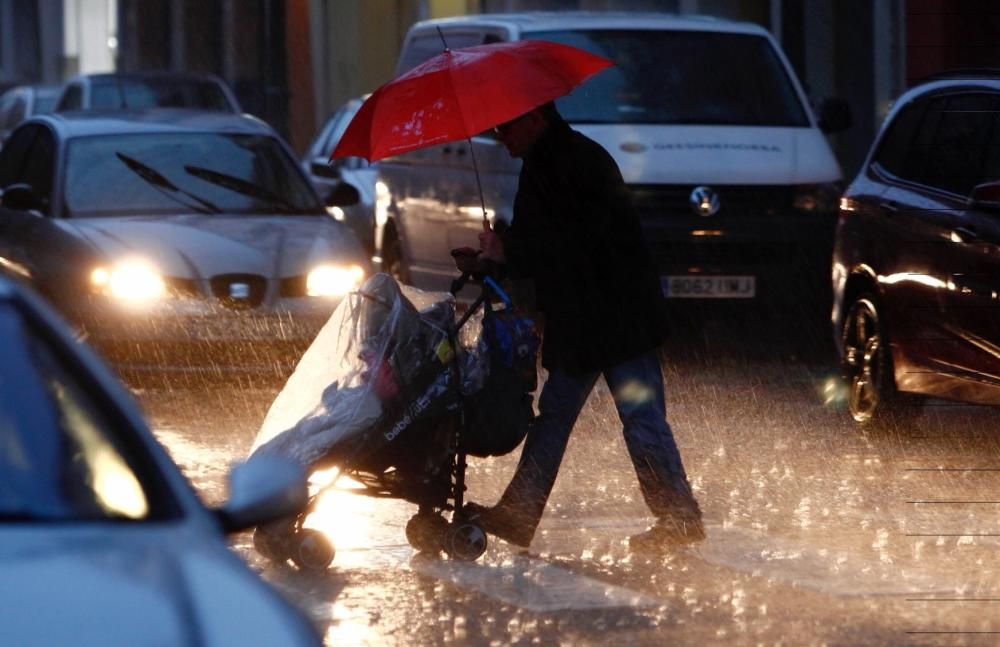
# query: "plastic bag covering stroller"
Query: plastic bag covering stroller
379,359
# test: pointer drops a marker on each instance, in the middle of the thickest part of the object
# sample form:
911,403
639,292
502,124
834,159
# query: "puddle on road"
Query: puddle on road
841,573
534,585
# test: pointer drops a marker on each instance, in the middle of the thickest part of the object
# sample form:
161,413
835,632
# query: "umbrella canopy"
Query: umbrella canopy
463,92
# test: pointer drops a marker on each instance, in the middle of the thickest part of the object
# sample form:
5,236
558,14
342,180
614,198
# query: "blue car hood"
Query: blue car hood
130,586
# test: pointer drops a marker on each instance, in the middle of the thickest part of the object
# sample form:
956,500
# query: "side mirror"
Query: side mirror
321,168
20,197
835,115
343,195
261,490
986,195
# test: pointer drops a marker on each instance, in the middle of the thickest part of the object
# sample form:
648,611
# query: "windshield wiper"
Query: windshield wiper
168,188
240,186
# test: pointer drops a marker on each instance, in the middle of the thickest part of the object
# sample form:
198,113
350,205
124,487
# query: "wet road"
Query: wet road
817,533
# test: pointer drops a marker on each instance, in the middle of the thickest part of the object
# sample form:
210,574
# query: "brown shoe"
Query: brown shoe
666,533
501,523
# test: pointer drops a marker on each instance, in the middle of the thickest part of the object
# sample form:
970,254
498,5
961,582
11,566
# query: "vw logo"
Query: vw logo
704,201
239,291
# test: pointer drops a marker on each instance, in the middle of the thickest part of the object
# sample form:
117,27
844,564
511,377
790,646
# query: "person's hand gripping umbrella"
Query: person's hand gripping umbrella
461,93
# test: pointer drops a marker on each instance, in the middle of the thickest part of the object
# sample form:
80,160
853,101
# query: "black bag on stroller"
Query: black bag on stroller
497,417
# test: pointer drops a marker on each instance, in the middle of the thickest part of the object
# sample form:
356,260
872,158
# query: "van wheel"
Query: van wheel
392,257
873,400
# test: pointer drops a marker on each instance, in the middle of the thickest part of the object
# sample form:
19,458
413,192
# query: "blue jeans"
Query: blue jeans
637,387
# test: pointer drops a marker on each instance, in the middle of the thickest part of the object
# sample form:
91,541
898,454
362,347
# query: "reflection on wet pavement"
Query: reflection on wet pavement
817,533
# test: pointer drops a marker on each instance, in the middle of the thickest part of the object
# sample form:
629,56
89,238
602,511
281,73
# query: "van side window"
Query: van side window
958,150
895,149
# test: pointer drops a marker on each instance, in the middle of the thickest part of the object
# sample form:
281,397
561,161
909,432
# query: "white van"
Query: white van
730,171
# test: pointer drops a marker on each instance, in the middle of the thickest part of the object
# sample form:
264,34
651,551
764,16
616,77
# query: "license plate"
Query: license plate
709,287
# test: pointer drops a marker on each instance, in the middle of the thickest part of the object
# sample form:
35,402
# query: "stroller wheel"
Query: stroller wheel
426,532
270,545
313,550
465,541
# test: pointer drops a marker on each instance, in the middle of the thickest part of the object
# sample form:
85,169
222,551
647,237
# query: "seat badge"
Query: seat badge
239,291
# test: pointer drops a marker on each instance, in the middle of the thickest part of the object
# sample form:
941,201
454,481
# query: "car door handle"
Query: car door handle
889,206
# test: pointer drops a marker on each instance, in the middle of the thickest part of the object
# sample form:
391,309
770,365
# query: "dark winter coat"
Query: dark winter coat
575,233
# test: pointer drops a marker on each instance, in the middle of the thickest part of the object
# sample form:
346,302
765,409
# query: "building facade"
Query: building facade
31,42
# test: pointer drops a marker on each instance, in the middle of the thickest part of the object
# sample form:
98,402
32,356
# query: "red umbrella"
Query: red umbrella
463,92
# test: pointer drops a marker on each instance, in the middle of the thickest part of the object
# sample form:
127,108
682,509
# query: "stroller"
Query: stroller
398,394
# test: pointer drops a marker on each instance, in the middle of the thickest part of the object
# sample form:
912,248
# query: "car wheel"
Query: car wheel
867,368
392,257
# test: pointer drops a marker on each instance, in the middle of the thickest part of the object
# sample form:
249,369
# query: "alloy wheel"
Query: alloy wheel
864,361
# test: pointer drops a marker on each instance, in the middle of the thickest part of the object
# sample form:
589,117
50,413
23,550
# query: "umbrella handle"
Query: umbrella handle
479,183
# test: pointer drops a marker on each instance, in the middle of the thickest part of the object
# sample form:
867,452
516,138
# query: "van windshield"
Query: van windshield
680,77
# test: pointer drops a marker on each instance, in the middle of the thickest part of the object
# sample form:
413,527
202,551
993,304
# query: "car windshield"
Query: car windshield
61,456
680,77
170,172
116,93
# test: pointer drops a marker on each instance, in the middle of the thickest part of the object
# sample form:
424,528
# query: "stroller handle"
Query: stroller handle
459,282
488,282
489,286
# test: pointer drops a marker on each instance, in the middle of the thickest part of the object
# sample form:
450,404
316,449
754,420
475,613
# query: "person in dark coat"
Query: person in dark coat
575,235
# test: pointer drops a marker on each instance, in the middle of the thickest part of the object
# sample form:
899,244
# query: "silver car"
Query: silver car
327,175
102,541
141,90
22,102
175,239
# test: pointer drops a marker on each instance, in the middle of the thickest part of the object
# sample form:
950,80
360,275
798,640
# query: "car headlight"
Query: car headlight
333,280
130,280
817,198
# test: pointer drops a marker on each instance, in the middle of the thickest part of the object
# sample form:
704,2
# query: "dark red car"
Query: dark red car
916,263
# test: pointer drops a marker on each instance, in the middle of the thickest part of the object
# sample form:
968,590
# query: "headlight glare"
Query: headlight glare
333,280
132,280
